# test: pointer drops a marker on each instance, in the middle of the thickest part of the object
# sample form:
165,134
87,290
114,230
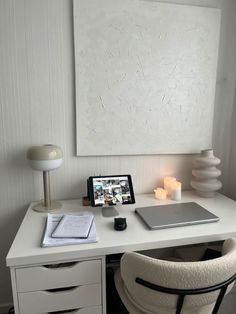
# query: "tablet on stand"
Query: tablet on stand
110,192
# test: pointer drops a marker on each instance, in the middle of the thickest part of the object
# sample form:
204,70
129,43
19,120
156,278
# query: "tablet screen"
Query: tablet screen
111,190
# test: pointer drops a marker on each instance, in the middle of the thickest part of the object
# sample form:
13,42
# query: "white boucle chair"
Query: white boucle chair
149,285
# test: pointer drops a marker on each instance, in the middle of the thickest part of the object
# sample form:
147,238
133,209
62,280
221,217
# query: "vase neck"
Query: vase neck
207,153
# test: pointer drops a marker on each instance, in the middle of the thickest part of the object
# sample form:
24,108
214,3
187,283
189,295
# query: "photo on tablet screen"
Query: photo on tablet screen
111,190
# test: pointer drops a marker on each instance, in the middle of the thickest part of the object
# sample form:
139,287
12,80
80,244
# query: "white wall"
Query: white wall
37,105
232,165
231,66
224,131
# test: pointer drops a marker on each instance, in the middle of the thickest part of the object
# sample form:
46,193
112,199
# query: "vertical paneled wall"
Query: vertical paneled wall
37,105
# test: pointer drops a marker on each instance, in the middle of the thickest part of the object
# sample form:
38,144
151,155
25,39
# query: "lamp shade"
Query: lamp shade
45,157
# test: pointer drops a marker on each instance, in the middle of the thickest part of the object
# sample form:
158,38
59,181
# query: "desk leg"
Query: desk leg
104,299
14,290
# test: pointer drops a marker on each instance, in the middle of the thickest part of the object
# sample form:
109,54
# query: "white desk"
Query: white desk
30,279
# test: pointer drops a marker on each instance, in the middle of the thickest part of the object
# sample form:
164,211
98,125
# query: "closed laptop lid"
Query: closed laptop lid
174,215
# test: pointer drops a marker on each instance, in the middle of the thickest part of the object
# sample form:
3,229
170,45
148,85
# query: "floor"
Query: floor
229,304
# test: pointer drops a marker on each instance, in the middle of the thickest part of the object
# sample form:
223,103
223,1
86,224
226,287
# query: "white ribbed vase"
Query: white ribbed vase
205,174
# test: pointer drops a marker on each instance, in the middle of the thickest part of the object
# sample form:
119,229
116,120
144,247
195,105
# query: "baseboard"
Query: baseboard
4,308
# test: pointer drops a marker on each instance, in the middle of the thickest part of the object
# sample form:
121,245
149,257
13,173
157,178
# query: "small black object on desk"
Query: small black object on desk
120,224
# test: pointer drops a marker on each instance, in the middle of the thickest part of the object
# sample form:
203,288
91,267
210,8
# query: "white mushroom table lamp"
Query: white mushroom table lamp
45,158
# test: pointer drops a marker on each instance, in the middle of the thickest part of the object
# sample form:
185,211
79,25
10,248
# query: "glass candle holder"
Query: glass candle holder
175,191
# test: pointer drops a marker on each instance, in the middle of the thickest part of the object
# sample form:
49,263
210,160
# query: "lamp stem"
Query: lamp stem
46,188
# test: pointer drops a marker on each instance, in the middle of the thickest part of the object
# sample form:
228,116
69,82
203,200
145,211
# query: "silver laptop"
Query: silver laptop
174,215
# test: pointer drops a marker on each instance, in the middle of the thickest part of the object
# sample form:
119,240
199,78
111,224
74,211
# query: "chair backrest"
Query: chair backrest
176,275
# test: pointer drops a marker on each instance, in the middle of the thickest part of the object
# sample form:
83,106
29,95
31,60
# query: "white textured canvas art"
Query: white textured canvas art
145,76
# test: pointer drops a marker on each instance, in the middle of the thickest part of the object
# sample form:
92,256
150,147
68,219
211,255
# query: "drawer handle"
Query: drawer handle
61,289
60,265
64,311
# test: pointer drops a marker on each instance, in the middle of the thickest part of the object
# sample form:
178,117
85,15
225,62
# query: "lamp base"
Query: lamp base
43,209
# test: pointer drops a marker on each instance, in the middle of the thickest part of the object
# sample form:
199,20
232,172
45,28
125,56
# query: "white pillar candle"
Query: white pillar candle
176,191
160,194
167,184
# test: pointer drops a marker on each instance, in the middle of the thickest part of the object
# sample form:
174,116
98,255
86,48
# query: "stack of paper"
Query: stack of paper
53,221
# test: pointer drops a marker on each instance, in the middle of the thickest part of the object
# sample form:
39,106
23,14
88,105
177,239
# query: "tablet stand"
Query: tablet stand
109,211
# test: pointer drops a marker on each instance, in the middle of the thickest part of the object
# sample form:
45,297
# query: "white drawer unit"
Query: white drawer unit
76,287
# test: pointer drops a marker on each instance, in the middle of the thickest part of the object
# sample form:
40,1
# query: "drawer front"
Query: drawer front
45,301
43,277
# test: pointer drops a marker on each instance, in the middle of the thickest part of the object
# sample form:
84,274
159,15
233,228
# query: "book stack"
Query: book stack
71,228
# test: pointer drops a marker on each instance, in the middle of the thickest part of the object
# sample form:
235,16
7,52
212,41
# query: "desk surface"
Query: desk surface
26,249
